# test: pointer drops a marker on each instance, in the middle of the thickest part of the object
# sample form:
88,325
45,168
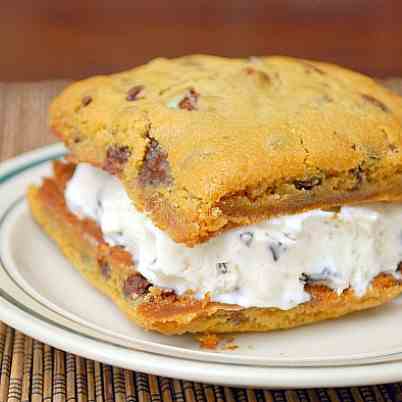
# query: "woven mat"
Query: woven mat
32,371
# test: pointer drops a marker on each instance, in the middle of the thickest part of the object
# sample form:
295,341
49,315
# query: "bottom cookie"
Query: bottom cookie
111,270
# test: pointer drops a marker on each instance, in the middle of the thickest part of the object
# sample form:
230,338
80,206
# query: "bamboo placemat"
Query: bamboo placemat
33,371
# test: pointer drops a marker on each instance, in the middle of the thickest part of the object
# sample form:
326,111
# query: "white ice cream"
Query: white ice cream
262,265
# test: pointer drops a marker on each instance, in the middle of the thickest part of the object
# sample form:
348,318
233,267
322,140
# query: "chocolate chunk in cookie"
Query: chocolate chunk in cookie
307,184
135,93
155,169
135,285
189,102
359,177
116,157
86,100
104,268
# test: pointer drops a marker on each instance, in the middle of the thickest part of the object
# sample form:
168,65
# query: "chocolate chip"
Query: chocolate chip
322,276
222,267
77,140
359,176
376,102
274,252
247,238
104,268
135,92
307,184
155,169
116,157
189,102
135,285
277,249
312,278
86,100
168,293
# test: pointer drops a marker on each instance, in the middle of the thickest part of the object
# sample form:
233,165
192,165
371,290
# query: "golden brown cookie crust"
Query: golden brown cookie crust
110,269
205,143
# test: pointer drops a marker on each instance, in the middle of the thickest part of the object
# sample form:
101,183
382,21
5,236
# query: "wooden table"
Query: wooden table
32,371
46,39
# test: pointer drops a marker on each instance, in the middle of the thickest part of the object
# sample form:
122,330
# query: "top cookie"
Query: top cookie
204,143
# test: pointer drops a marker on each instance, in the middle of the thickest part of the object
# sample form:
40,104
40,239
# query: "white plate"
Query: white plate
41,295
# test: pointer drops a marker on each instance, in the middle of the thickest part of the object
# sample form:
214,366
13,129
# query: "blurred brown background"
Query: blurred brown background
72,39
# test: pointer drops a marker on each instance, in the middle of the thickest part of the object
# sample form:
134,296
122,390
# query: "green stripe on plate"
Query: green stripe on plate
16,171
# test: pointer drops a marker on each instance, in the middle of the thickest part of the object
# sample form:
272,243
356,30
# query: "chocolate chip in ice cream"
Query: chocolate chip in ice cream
246,238
222,267
277,249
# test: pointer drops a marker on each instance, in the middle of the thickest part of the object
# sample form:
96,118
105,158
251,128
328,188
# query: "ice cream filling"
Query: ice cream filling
264,265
